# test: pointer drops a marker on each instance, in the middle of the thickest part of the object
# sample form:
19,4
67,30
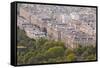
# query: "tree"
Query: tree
52,43
90,57
71,57
54,52
80,50
68,51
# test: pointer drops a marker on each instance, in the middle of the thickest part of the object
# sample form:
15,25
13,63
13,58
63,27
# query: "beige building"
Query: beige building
72,32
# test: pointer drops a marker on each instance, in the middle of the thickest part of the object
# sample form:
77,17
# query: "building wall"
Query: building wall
24,14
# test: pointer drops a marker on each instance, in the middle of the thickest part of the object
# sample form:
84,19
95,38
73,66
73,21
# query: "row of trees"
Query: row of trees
42,50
